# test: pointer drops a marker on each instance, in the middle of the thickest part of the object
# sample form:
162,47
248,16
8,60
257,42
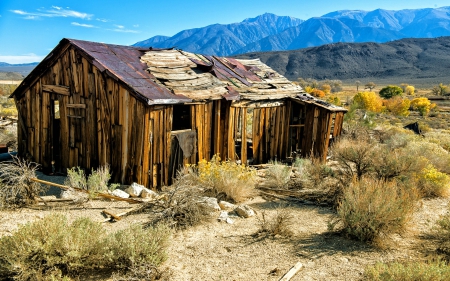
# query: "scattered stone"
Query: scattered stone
224,216
68,194
244,211
135,189
209,203
148,193
120,193
224,205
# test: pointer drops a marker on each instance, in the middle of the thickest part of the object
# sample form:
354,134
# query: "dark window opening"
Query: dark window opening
181,117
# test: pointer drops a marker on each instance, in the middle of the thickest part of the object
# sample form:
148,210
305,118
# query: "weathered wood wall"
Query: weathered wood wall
101,123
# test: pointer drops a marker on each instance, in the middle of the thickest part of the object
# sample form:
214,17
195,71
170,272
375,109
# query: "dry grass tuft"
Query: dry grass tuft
16,189
278,175
278,225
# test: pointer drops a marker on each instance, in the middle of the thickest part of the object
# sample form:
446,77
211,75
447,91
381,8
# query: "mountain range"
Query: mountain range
270,32
424,61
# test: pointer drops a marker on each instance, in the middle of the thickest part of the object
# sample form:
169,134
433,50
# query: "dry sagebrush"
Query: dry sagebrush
371,209
54,247
16,188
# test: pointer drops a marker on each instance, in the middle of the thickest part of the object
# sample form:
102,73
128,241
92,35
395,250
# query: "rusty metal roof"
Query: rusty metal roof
123,63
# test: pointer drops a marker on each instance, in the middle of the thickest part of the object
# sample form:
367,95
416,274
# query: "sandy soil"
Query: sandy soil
220,251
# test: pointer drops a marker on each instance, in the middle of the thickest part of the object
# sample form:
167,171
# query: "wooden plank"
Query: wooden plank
168,126
124,119
76,105
326,141
231,134
244,137
217,132
37,124
146,147
296,268
56,89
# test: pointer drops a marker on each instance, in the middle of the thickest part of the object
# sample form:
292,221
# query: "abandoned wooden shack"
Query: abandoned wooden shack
145,112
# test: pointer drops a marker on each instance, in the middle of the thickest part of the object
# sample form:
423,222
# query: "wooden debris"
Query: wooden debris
117,217
296,268
104,195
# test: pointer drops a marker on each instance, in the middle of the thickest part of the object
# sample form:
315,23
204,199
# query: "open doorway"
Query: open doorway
56,139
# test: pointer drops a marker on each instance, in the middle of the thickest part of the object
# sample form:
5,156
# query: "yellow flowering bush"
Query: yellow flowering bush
368,101
234,180
433,183
334,100
423,105
409,90
397,106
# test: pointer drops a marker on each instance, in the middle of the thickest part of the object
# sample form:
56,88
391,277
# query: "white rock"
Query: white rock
224,205
120,193
244,211
210,203
148,193
224,216
135,189
68,194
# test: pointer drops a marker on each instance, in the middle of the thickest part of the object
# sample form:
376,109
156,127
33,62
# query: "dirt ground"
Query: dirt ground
221,251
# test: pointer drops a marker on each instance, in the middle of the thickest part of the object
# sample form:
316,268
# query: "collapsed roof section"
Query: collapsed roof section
248,83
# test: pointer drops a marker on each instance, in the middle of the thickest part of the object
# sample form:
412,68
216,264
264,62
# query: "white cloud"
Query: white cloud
83,25
54,12
119,26
26,58
124,30
135,25
103,20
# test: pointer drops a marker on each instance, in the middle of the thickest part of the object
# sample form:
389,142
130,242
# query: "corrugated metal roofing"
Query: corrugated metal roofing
123,62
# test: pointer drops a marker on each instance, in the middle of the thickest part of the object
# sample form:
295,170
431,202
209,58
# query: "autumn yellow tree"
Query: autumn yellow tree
423,105
409,90
369,101
317,93
397,106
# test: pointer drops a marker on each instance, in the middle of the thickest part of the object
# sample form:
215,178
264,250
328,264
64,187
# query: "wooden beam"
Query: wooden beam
57,89
75,116
76,105
296,268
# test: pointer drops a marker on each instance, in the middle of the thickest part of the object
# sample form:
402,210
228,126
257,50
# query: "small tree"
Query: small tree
317,93
440,90
398,106
403,86
357,83
409,90
423,105
370,86
390,91
368,101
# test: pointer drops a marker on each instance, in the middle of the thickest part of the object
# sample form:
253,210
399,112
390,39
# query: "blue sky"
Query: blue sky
29,30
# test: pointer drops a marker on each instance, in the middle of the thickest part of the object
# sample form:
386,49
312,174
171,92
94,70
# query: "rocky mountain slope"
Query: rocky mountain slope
269,32
405,59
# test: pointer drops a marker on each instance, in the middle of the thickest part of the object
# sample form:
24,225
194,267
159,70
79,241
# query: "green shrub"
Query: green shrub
410,271
135,245
370,209
54,247
390,91
97,182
